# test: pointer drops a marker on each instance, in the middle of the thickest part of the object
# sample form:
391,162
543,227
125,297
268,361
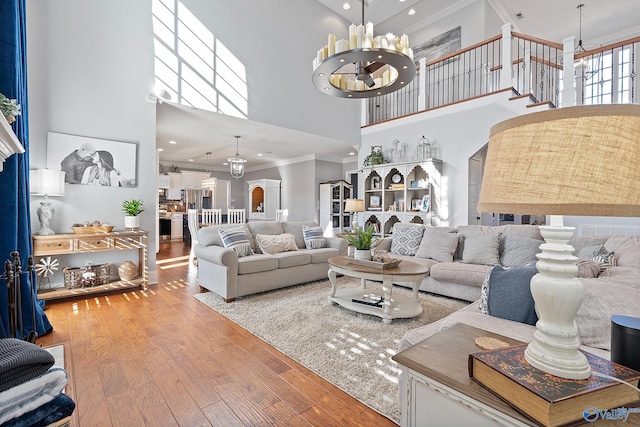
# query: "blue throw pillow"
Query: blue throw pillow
236,239
313,237
509,293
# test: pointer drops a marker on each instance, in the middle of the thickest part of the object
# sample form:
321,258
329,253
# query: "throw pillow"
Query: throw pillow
406,239
588,268
313,238
628,254
606,260
484,295
482,249
270,244
509,293
519,250
236,239
590,252
437,244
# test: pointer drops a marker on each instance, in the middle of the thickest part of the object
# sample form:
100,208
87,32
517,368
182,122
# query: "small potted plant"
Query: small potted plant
132,208
9,108
362,240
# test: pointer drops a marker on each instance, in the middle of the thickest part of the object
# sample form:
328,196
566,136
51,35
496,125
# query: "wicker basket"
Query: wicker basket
77,277
93,229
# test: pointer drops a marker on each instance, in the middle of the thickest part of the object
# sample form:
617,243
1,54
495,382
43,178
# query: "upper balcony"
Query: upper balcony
606,75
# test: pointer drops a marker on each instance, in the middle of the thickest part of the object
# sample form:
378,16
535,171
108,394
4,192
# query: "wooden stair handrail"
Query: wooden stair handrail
607,47
537,40
466,49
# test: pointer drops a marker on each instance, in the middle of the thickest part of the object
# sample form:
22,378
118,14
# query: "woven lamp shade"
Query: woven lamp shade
581,160
354,205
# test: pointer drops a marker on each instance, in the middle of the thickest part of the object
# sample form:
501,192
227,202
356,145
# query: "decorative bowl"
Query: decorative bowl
93,229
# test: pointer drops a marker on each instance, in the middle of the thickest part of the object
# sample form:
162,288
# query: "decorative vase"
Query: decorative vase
127,270
364,254
131,222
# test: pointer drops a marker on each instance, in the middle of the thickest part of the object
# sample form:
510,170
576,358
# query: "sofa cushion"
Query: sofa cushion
628,253
292,259
482,249
270,244
295,228
313,238
236,239
208,236
508,293
614,242
458,272
580,242
406,238
604,297
319,256
263,227
519,250
524,230
438,244
590,252
257,263
465,231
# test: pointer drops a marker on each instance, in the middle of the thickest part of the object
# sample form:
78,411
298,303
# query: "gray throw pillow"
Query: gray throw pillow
236,239
482,249
406,239
509,293
519,250
589,252
438,244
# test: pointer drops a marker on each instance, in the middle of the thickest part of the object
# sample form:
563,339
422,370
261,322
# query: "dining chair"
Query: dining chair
211,216
192,222
236,216
282,214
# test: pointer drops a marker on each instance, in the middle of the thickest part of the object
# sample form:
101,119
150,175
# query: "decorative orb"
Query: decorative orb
127,271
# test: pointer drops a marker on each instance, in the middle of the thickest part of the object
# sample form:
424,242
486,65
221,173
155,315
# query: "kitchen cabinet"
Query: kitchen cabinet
164,181
175,186
191,179
176,226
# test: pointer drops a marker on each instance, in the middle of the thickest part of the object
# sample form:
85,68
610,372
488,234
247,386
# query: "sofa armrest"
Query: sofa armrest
217,255
338,243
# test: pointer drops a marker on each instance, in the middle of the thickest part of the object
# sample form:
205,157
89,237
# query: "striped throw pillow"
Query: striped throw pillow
313,238
236,239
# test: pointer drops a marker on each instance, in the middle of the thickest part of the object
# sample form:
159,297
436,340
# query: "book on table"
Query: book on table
546,398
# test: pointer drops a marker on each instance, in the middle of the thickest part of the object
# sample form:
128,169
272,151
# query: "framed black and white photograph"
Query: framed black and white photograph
92,161
376,183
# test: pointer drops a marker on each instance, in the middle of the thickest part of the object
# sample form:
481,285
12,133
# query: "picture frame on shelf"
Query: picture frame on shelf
374,202
376,183
415,205
424,203
376,148
414,184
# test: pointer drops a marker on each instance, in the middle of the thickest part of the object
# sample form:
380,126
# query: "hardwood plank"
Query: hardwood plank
158,416
220,415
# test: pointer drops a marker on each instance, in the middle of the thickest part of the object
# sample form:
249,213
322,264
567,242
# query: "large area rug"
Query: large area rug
351,350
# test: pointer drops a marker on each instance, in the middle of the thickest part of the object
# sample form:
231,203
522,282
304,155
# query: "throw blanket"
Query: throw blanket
51,412
32,394
21,361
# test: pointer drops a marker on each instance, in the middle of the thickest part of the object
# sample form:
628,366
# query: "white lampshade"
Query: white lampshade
46,182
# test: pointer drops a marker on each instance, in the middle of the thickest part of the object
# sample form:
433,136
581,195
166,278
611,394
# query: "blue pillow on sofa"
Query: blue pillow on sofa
506,293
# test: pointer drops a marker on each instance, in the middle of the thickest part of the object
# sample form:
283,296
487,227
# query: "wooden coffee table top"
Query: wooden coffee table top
405,268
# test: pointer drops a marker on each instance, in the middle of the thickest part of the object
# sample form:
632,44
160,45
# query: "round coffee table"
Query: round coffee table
377,302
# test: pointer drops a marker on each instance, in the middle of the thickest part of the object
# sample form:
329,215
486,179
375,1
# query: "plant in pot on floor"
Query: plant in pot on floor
132,208
362,240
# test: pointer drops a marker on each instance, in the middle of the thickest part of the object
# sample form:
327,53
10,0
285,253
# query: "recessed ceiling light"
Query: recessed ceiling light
190,160
346,6
402,1
225,164
411,12
352,153
172,142
259,154
160,150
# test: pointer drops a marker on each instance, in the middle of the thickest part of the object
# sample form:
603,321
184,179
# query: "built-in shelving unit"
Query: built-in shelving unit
402,192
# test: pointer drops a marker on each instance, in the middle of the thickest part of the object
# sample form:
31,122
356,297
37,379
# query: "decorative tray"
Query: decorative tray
374,264
91,229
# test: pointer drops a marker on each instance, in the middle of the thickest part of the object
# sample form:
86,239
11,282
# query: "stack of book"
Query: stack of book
396,187
551,400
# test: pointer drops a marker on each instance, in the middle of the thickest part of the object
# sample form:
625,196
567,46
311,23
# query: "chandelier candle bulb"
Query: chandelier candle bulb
368,42
342,45
353,36
404,42
360,34
369,29
331,44
391,40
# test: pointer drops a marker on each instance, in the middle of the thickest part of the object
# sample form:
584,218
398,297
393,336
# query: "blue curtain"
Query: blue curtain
15,221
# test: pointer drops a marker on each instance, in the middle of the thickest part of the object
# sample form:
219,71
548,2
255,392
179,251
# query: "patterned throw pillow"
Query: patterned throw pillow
313,238
270,244
406,239
236,239
606,260
483,306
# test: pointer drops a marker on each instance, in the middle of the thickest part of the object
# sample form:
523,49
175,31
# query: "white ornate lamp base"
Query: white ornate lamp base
558,294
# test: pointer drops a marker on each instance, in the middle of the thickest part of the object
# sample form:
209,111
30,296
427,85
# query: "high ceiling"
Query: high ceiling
547,19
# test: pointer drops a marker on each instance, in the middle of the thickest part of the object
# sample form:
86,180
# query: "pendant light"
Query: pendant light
211,181
236,164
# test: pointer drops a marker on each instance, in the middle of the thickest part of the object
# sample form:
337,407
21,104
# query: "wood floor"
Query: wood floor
162,358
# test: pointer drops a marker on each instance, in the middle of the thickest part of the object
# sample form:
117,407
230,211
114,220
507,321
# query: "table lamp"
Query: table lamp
355,206
46,182
568,161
